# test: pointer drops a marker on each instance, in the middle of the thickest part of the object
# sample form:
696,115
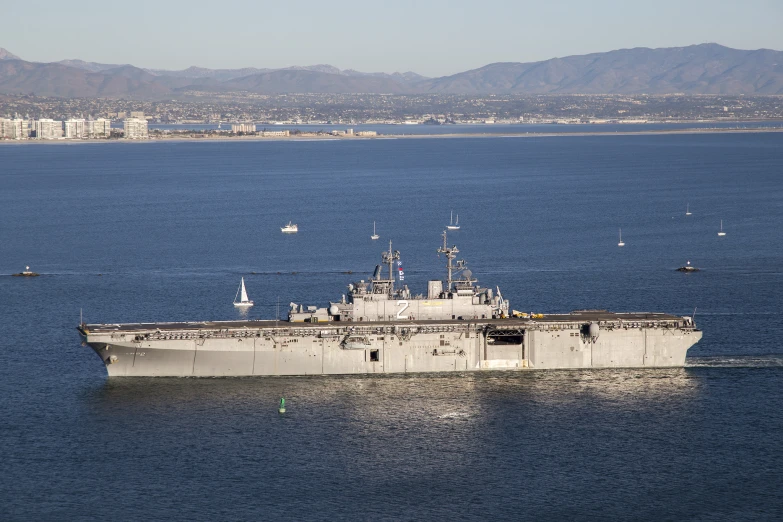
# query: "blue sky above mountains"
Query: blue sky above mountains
432,38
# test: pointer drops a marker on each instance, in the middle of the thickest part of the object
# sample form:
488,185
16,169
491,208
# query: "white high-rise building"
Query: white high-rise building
243,127
99,128
48,129
15,129
75,129
136,129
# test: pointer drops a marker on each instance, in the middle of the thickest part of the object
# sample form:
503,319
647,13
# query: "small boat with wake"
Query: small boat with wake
688,268
26,273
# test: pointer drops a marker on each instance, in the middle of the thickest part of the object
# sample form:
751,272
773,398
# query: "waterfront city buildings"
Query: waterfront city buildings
16,129
74,129
346,110
48,129
136,129
243,127
99,128
275,134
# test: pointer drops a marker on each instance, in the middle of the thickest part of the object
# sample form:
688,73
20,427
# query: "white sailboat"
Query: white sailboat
453,225
290,228
687,209
621,243
374,236
721,233
242,295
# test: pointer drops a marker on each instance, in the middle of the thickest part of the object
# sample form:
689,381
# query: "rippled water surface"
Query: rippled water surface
144,232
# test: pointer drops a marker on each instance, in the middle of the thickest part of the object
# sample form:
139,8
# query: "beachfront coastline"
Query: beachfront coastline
329,137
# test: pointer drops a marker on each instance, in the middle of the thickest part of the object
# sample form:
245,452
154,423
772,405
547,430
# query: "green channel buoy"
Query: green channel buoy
281,409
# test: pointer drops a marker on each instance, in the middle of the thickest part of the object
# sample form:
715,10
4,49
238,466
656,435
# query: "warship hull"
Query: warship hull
578,340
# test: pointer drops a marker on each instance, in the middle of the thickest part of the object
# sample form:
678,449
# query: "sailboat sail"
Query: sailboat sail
243,292
242,295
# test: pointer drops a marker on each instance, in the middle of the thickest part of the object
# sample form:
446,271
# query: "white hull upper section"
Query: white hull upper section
261,348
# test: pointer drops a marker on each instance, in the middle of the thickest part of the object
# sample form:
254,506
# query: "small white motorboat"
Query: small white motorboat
290,228
688,268
26,273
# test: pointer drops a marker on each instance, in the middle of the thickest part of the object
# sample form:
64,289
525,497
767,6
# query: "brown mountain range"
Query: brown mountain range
696,69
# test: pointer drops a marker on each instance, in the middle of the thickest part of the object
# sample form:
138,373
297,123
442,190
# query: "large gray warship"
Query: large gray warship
376,328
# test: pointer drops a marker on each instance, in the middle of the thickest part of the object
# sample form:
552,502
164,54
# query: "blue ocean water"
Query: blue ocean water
164,231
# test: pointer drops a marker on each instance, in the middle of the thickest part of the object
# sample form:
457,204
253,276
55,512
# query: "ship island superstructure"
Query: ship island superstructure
377,328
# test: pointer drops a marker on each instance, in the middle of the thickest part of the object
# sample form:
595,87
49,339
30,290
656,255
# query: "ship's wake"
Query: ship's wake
454,415
736,361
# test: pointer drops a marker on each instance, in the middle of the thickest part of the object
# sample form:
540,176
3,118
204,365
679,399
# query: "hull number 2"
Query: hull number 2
403,306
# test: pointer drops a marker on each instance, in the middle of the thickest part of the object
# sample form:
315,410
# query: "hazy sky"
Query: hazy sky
433,38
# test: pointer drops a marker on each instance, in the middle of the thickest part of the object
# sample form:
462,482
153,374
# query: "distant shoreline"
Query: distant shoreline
222,139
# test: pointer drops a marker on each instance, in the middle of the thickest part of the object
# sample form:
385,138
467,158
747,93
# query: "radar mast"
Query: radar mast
451,254
453,268
385,286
